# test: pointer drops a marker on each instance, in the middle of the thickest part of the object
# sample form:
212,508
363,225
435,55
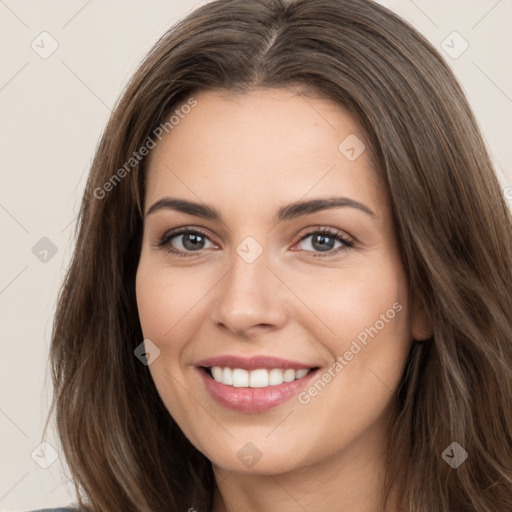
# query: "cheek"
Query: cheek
377,344
364,324
166,299
348,302
377,302
368,337
164,302
153,303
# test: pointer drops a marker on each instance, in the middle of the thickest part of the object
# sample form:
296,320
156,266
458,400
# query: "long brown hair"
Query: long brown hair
124,450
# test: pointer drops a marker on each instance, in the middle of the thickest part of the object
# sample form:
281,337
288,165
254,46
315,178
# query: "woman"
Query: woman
341,338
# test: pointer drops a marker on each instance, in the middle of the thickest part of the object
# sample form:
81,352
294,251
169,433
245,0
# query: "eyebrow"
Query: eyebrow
287,212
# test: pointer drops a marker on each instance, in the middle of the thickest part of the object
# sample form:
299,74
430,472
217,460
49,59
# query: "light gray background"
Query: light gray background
53,111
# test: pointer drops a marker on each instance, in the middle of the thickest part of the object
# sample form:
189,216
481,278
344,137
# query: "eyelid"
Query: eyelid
322,228
346,240
164,239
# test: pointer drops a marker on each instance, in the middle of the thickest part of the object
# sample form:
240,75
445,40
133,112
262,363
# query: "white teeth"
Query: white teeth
289,375
301,373
240,378
227,376
260,378
217,373
275,377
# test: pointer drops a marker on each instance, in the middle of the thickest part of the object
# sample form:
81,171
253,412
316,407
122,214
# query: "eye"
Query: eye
324,240
186,240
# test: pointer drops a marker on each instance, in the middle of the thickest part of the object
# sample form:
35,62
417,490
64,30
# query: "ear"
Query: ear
420,323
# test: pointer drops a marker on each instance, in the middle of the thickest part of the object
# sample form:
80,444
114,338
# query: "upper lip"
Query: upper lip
252,363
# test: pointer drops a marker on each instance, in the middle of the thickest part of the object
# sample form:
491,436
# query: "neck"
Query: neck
348,480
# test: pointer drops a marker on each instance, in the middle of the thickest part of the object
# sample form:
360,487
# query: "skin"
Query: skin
246,156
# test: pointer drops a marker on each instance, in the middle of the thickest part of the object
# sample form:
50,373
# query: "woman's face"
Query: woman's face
255,293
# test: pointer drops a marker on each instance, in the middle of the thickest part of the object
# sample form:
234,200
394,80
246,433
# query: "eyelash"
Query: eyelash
166,239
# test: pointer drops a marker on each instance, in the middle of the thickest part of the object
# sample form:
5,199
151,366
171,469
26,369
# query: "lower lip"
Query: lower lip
253,399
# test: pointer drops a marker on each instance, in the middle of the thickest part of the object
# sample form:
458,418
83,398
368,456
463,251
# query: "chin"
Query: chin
273,465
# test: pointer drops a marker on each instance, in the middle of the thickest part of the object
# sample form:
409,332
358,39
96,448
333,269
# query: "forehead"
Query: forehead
261,148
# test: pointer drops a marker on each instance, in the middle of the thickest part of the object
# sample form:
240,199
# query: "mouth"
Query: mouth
259,378
256,384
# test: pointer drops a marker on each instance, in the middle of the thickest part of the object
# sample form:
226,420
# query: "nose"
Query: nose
251,298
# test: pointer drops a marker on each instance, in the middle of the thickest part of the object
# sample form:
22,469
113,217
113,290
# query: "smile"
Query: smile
259,378
254,384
